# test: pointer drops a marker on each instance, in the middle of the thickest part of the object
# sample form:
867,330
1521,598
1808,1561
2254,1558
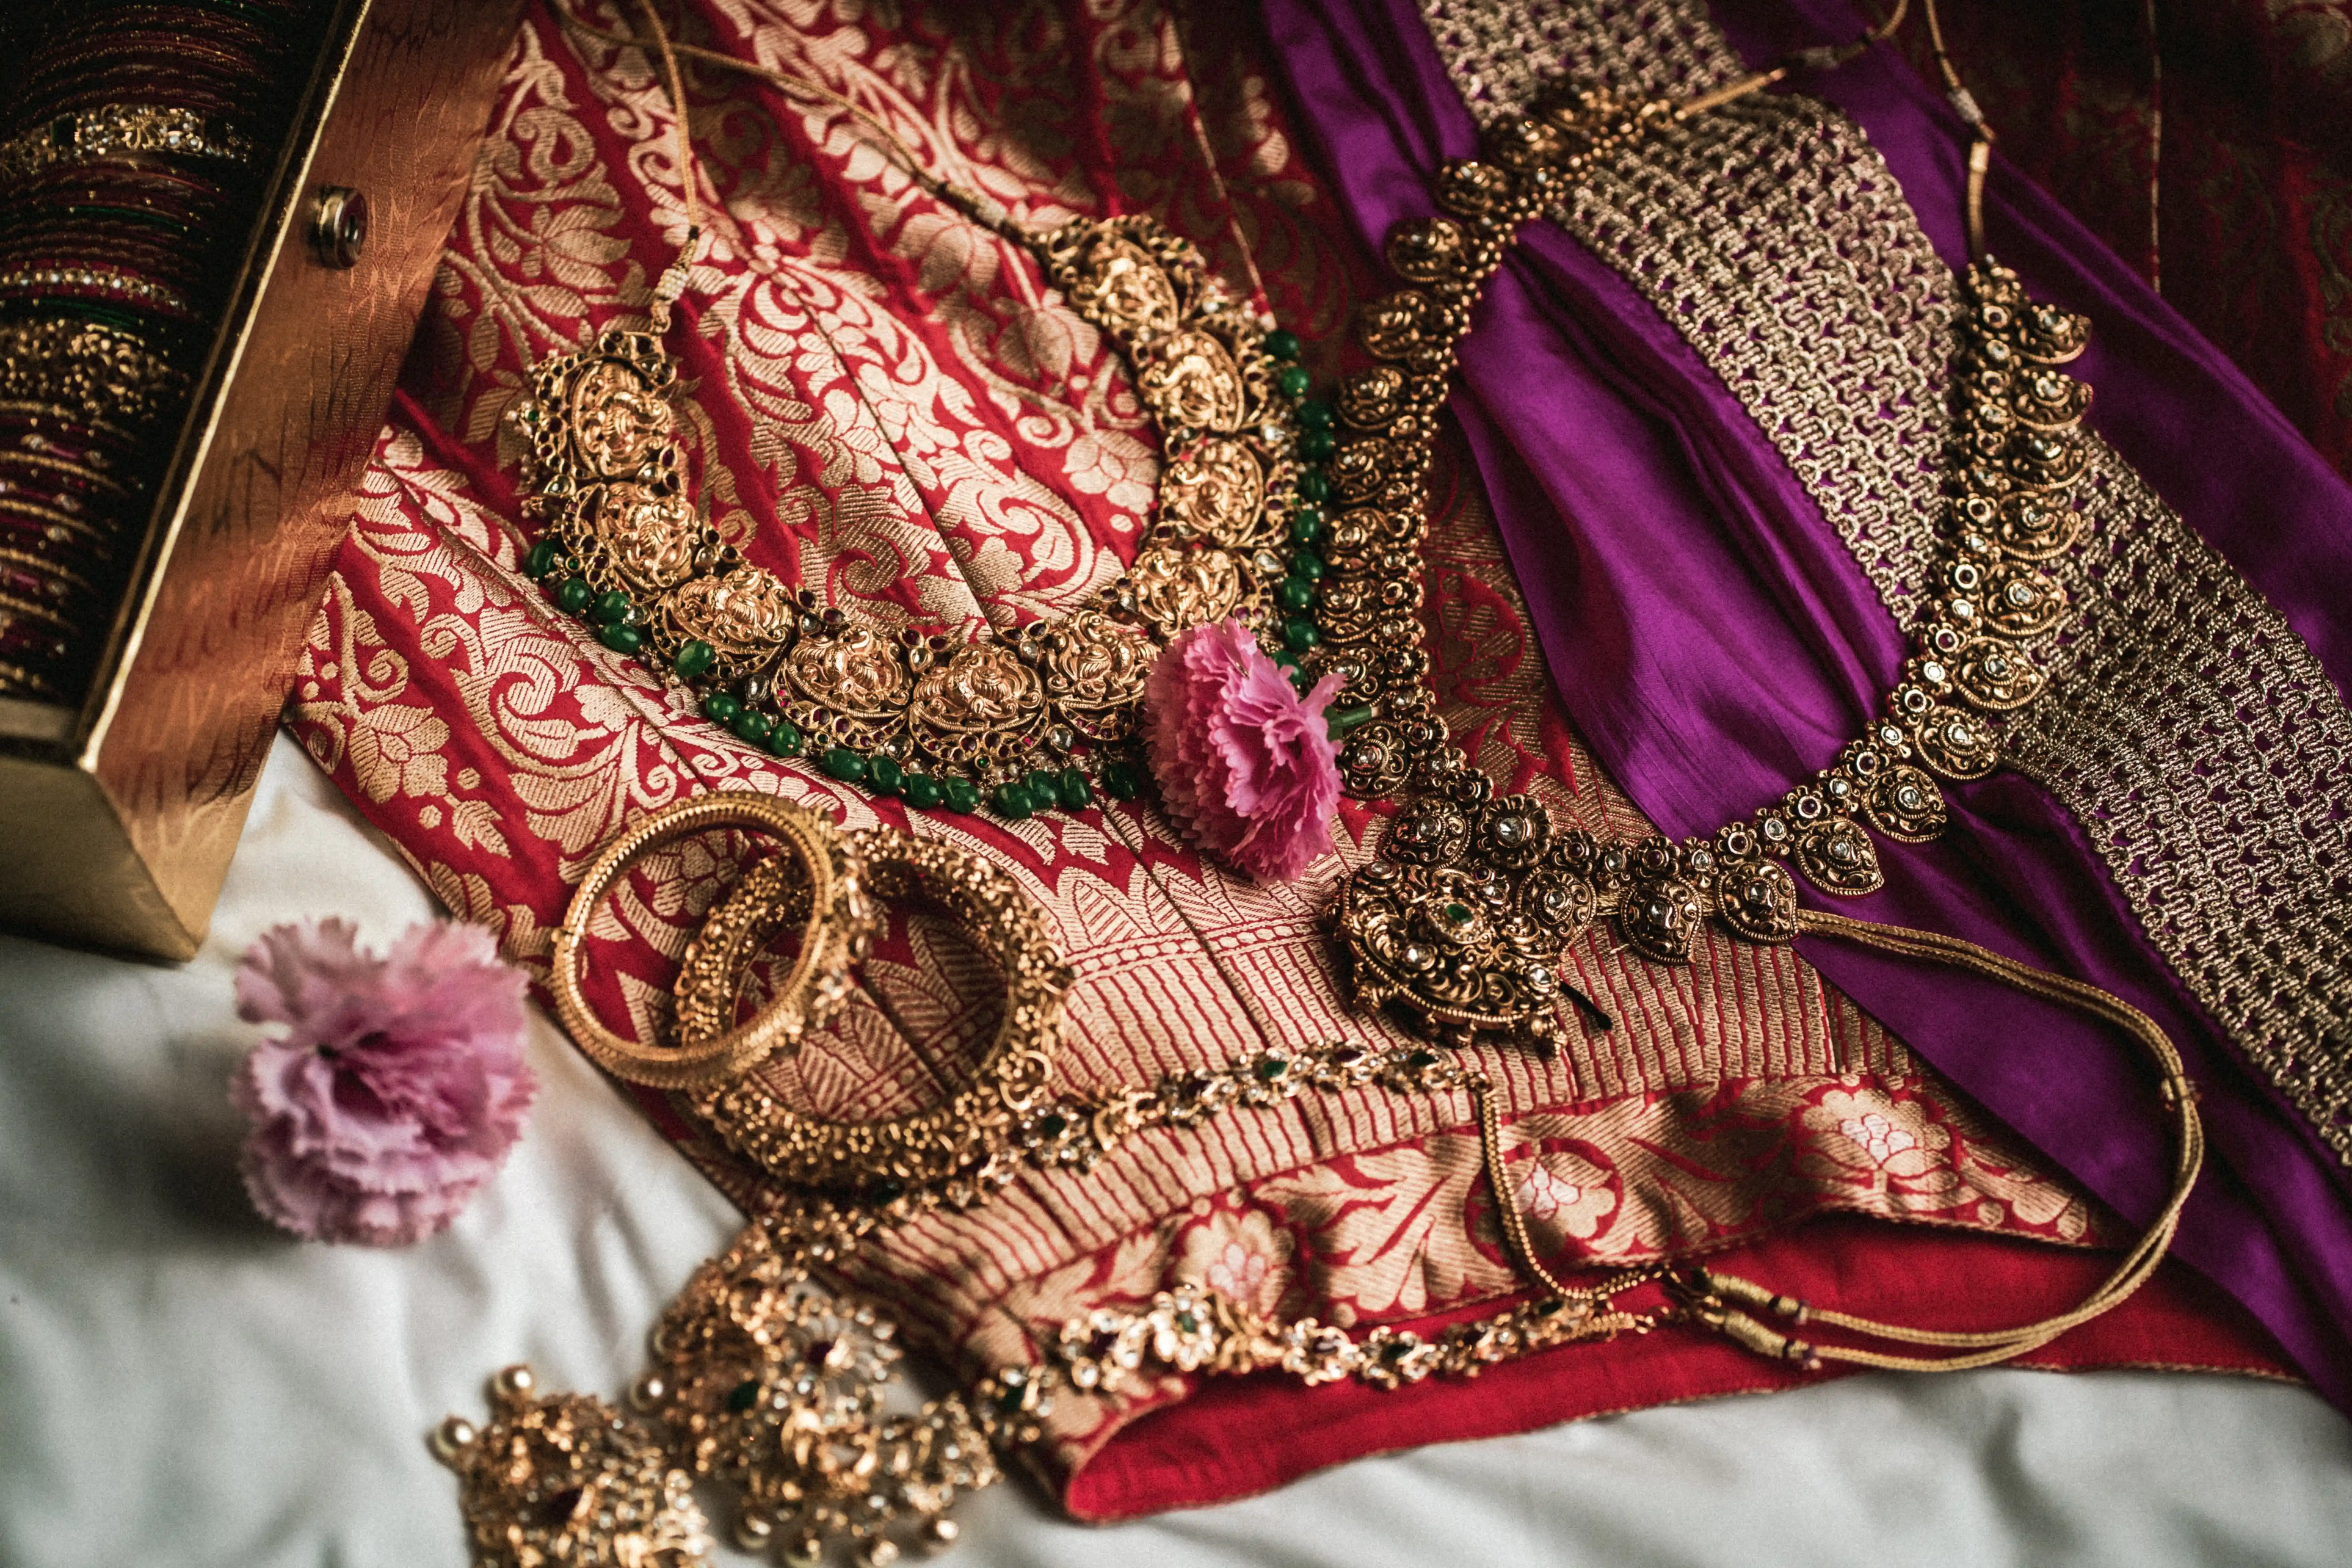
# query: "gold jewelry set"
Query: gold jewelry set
767,1381
764,1378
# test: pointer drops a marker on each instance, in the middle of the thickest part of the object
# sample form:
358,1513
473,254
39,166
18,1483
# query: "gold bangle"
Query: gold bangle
109,281
53,571
978,1124
837,924
85,371
19,680
22,608
96,478
113,129
38,410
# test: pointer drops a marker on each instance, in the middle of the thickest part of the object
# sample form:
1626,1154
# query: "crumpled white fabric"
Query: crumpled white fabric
180,1385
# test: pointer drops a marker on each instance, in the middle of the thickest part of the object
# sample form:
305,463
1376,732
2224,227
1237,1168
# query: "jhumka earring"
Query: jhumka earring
566,1479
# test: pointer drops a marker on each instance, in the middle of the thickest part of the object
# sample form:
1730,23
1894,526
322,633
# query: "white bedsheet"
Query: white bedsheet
181,1385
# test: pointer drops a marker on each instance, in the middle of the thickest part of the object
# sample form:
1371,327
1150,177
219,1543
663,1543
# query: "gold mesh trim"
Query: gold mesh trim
2187,729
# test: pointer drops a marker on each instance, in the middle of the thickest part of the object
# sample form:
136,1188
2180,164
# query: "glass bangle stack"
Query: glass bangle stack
132,148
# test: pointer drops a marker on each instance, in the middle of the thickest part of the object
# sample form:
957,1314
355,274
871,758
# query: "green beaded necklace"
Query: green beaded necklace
1026,722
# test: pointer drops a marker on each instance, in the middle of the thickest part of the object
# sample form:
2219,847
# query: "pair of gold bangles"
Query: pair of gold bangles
832,885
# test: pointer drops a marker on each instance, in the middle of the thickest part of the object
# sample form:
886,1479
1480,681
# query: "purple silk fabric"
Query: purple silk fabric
1715,641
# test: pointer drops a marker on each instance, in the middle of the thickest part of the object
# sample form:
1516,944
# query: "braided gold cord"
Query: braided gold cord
1718,1299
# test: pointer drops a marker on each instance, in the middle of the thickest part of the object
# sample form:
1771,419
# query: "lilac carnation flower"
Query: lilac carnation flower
397,1087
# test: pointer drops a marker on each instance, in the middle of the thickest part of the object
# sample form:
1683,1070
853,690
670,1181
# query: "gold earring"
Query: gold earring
566,1479
773,1385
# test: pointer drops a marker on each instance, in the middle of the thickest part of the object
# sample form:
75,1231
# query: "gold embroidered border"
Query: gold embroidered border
2187,729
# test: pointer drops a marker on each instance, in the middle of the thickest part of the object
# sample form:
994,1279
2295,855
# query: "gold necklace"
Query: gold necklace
1458,923
1030,721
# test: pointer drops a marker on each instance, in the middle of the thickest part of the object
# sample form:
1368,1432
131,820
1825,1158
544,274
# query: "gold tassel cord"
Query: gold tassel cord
1727,1302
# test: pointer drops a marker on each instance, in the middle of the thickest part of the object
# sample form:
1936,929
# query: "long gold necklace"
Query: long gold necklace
1458,923
1027,720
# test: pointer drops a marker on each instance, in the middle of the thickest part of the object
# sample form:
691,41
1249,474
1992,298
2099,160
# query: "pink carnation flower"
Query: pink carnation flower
1243,761
398,1084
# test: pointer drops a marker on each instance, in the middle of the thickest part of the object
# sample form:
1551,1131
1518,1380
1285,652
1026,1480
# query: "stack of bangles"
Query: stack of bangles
131,156
825,885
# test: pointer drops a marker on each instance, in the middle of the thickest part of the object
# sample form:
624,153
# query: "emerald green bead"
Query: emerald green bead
611,609
1314,415
846,765
1121,780
1316,444
885,776
1314,486
621,638
1307,525
1284,657
754,726
1295,594
693,659
721,707
1042,784
572,595
1012,800
786,739
921,790
1292,381
1302,679
743,1395
961,793
1282,345
1307,564
1300,634
543,558
1072,790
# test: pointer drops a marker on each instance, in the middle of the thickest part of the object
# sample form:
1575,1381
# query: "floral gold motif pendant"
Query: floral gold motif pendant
1028,719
